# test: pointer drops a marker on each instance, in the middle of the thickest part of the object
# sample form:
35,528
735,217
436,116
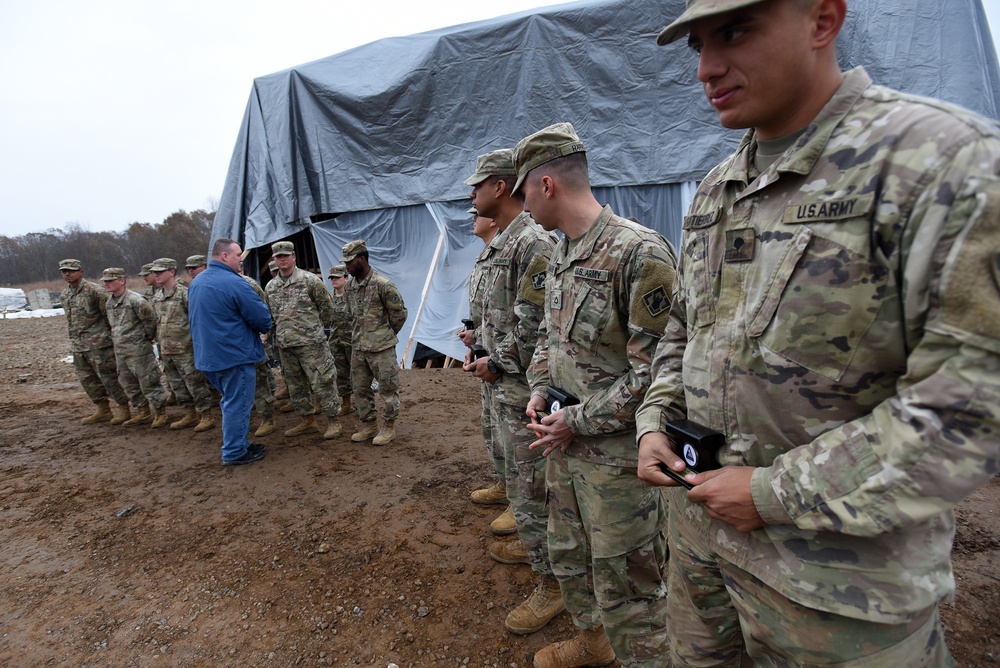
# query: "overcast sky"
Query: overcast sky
116,111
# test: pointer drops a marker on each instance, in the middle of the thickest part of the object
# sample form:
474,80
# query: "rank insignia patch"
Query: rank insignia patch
656,300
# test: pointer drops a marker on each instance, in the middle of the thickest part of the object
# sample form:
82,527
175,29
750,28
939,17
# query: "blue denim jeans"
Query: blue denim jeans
237,385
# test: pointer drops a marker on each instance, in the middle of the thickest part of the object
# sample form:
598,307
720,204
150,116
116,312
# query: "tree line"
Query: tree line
35,256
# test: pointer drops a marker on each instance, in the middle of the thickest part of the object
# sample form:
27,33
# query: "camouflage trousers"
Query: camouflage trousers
608,552
139,375
309,370
186,382
720,615
342,360
98,373
263,398
486,425
524,475
380,366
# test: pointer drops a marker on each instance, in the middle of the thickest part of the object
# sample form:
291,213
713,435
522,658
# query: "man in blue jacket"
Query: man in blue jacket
227,318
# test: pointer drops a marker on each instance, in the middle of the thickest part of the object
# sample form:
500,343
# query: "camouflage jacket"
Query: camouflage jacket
513,304
343,321
173,332
256,288
477,290
87,316
300,307
133,323
149,294
607,296
838,319
378,311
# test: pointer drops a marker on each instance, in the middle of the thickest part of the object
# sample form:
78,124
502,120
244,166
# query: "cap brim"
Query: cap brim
476,179
518,183
682,25
282,253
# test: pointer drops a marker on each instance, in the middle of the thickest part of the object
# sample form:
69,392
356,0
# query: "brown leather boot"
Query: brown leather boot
307,426
333,429
494,495
159,417
504,525
590,648
141,415
122,414
386,434
511,552
285,407
205,422
346,405
538,609
190,419
368,430
266,426
100,415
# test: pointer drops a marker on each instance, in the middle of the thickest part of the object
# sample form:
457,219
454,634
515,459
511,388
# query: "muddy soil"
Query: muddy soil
132,547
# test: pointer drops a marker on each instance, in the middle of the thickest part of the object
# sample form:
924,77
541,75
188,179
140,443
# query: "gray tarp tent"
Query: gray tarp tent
375,142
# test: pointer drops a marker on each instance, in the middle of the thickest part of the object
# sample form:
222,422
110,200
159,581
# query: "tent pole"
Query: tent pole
423,297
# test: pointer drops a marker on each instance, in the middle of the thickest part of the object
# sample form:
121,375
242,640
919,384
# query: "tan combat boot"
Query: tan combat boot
307,426
205,422
282,393
368,429
333,429
504,525
266,426
100,415
512,552
590,648
386,434
159,417
141,415
190,419
285,407
496,494
122,414
346,406
538,609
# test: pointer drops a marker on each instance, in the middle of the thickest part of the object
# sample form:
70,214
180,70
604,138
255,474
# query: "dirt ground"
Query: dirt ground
131,547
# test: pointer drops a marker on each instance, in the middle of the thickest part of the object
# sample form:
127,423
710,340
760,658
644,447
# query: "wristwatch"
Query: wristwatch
493,368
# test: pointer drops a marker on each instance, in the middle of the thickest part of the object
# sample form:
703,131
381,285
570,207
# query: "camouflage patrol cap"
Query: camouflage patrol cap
195,261
546,145
282,248
163,264
696,10
112,273
272,266
352,249
146,268
70,264
494,163
337,271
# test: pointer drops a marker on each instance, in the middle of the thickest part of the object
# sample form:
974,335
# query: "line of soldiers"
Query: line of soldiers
583,314
113,332
327,355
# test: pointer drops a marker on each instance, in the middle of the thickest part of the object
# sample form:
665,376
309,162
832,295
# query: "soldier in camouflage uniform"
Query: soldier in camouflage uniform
173,336
195,264
607,295
512,310
263,399
379,314
85,304
146,274
485,229
838,320
301,310
340,336
133,329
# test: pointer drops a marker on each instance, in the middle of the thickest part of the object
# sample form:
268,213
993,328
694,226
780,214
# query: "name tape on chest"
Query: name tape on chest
591,274
833,210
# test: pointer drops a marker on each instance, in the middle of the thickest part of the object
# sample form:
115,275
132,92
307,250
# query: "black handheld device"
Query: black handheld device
468,324
558,399
697,445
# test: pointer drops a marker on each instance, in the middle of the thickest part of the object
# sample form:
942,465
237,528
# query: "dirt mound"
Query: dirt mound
132,547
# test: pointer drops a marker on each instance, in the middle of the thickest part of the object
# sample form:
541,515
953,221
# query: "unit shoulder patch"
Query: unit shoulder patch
533,284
